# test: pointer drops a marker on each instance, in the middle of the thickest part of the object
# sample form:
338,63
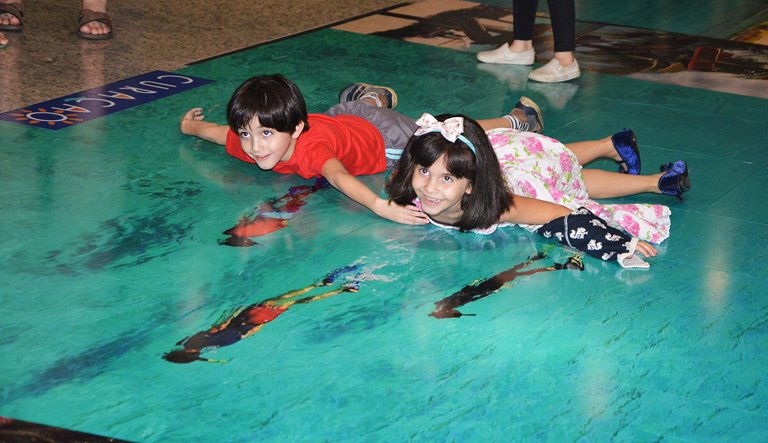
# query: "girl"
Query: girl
466,179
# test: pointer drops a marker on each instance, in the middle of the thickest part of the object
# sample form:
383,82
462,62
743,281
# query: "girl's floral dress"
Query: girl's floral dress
540,167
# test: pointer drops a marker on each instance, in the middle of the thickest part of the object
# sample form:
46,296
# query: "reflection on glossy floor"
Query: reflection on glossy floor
112,252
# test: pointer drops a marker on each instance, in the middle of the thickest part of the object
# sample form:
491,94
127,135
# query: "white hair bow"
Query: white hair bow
451,129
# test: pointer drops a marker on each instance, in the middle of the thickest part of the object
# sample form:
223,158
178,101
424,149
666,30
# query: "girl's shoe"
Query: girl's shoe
625,144
675,179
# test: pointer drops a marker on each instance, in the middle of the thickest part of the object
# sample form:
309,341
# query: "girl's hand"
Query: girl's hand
407,215
646,249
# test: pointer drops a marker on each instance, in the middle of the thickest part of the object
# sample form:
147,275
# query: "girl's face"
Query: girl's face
439,191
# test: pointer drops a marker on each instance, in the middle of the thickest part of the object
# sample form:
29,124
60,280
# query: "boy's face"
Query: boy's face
267,146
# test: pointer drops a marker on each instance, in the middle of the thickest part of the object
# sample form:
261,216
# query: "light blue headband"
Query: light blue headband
451,129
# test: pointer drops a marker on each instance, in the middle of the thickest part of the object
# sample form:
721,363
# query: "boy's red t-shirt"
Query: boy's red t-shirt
354,141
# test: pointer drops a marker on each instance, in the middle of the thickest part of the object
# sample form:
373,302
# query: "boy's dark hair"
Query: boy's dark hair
490,197
275,100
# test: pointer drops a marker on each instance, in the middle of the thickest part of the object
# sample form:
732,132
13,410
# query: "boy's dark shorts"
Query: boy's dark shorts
395,128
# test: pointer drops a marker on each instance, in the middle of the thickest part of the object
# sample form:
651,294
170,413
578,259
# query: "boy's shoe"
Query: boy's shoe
675,180
625,144
528,116
554,72
384,96
503,55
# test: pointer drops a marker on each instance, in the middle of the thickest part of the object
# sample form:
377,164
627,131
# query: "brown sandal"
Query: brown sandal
16,10
87,16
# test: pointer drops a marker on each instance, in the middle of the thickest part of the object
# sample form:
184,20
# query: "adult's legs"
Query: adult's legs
524,12
94,27
563,17
563,66
520,50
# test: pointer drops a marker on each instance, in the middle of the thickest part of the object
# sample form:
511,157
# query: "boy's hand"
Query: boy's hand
338,176
407,215
190,119
192,123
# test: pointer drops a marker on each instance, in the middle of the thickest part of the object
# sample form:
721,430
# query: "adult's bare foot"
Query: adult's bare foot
94,23
11,15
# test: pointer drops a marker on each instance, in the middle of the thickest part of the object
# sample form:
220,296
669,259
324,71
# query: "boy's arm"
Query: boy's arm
338,176
192,124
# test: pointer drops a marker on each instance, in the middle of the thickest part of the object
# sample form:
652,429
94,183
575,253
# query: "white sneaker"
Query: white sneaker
554,72
503,55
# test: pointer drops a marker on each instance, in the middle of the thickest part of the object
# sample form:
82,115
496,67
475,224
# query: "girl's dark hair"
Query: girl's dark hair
490,197
275,100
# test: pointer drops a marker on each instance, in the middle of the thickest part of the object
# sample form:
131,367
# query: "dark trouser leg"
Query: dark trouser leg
525,16
563,15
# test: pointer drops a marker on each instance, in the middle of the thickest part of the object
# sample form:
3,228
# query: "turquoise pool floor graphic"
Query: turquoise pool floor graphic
446,308
246,321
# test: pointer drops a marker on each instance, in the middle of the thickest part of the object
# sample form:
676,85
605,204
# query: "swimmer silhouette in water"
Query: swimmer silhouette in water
250,319
446,308
271,215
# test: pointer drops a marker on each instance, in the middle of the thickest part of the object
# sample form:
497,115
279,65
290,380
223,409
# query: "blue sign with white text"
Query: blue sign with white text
94,103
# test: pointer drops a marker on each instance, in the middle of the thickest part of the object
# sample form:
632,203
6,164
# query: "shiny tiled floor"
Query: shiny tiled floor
110,255
47,60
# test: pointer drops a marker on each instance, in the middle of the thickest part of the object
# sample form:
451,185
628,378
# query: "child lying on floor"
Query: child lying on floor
465,178
268,125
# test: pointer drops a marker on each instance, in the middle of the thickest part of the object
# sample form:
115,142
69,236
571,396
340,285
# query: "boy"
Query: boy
268,125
